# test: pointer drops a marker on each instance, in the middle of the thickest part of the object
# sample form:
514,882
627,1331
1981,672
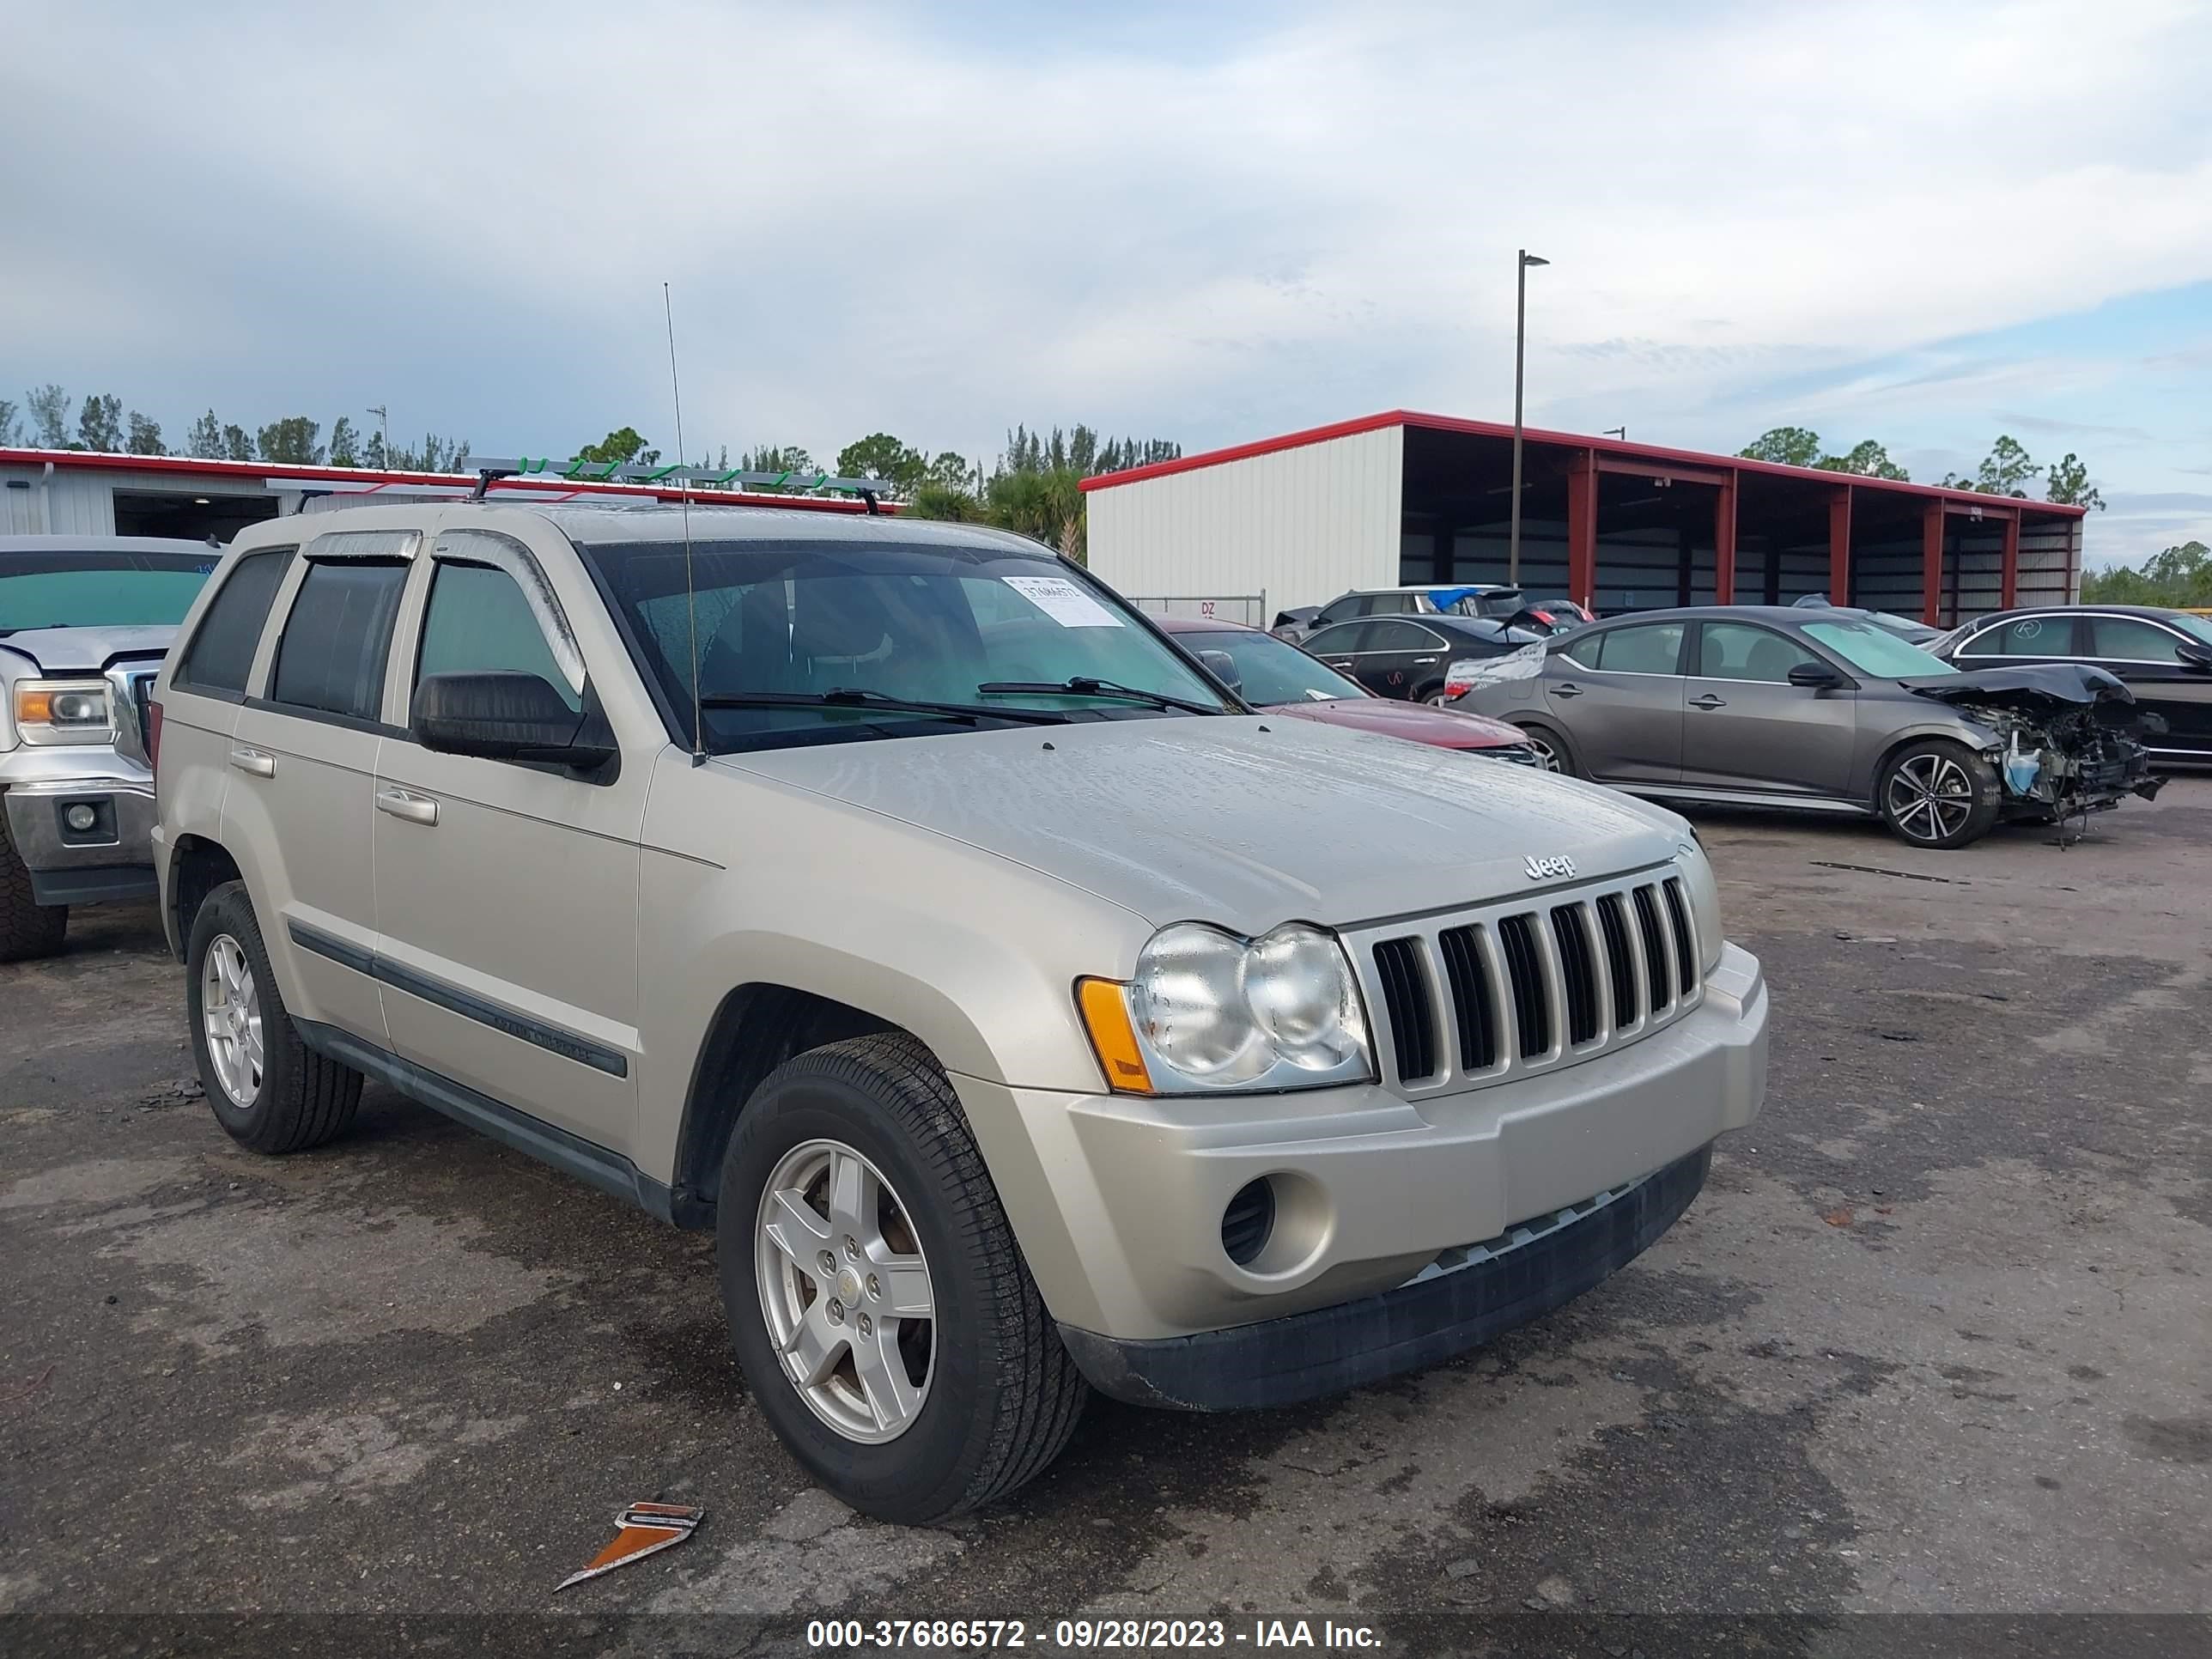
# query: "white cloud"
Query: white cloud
940,221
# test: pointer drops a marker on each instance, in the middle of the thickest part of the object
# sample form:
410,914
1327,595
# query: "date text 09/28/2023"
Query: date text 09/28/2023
1084,1635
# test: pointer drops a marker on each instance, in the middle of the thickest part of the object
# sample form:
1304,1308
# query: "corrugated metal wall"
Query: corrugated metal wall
1300,524
71,503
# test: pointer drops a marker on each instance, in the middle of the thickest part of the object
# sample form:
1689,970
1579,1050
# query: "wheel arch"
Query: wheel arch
198,866
1896,742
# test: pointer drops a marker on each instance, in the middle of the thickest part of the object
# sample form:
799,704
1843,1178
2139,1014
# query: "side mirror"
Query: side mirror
1815,676
508,716
1222,667
2194,656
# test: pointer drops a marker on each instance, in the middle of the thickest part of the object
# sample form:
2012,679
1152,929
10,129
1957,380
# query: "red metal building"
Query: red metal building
1409,497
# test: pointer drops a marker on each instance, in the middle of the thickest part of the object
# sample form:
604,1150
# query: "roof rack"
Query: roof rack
577,470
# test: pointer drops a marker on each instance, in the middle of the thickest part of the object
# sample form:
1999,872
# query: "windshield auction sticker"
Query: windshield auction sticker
1063,601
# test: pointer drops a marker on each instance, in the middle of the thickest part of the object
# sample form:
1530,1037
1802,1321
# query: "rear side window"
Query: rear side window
478,623
1649,649
332,656
221,650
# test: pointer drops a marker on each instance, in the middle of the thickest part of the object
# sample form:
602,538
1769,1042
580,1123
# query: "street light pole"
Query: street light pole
1520,339
384,431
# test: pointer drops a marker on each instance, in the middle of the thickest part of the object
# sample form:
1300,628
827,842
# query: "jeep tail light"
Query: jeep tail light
153,736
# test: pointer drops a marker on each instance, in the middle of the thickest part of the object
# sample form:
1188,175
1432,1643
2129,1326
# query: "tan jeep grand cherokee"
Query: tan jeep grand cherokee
1025,1014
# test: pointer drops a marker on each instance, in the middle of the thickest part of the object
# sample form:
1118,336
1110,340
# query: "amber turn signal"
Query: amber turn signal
1105,1007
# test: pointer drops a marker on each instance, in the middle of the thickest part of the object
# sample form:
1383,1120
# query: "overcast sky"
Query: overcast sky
1921,224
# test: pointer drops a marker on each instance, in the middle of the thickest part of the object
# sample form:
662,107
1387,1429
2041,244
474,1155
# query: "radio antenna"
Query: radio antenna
683,495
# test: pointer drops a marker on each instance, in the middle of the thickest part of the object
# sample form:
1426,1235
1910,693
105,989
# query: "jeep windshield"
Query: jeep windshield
816,642
69,588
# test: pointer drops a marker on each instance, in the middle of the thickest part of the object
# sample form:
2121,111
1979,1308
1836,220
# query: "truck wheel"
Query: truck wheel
879,1306
1938,793
27,928
270,1092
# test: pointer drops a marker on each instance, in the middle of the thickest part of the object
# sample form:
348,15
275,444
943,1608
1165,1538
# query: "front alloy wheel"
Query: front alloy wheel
1930,798
845,1289
230,1015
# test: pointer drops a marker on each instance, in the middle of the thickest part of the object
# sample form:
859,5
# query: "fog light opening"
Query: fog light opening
1248,1222
81,817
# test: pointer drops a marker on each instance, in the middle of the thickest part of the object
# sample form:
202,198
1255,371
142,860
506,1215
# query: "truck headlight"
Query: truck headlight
1208,1011
1705,900
62,711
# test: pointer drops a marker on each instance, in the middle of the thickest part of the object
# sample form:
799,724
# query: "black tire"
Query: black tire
1938,794
1003,1396
303,1099
1566,762
27,928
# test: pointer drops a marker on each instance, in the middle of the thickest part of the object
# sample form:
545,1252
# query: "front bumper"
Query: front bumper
1510,1280
1118,1200
112,861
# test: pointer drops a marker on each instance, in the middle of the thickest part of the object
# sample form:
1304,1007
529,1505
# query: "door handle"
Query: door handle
254,762
404,804
1567,690
1424,661
1708,700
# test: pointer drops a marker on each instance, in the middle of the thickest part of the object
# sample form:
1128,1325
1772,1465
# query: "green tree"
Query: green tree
2006,469
99,424
879,455
1790,445
145,437
1867,458
237,444
2068,481
949,471
937,501
2180,576
11,432
292,440
204,439
345,442
48,407
624,447
776,457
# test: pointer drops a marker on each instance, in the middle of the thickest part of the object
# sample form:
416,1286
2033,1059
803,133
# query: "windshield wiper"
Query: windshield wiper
1082,686
851,697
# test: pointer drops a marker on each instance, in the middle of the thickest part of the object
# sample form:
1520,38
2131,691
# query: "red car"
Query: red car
1274,675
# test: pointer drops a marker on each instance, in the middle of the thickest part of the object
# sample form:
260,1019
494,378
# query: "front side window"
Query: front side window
221,654
1734,651
2128,639
332,654
478,622
1878,651
1646,649
1341,610
75,588
1272,671
810,631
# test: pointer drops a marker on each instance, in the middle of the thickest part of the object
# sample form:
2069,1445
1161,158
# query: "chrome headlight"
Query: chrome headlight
62,711
1705,899
1208,1011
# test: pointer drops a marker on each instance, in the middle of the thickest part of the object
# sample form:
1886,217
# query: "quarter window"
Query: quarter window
2127,639
478,622
1647,648
221,650
338,636
1736,651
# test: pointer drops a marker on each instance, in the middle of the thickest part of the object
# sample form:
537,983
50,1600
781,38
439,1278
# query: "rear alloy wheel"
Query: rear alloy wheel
1553,754
1938,793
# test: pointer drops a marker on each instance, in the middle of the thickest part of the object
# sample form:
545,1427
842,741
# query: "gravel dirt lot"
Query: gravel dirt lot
1937,1337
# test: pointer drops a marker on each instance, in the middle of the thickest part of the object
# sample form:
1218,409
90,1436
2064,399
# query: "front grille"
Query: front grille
1412,1023
1514,989
132,690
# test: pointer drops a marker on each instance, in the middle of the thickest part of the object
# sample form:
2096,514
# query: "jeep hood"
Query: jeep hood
1242,820
85,650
